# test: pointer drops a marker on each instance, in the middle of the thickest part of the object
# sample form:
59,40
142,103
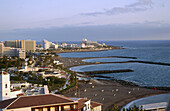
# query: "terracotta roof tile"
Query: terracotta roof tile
3,72
81,103
5,103
48,99
95,104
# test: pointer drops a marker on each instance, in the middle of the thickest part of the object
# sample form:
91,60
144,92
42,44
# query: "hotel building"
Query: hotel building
49,45
8,51
27,45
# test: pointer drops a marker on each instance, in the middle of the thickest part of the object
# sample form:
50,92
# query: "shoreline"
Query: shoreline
80,61
69,62
105,91
123,86
87,50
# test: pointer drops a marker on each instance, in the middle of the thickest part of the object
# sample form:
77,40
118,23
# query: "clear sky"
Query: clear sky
72,20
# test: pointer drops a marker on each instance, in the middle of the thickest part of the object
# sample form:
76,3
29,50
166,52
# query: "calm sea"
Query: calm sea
144,74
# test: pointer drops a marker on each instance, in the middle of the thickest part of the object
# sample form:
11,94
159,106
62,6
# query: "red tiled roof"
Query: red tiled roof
5,103
95,104
2,72
39,100
81,103
21,94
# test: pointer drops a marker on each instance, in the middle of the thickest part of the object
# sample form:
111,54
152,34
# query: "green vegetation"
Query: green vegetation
52,82
45,60
68,87
10,62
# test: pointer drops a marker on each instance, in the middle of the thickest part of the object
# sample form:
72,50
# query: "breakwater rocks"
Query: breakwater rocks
106,71
121,57
125,83
156,63
158,88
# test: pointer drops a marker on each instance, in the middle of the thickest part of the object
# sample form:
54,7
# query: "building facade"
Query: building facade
9,51
27,45
90,43
5,91
47,45
1,48
48,102
4,86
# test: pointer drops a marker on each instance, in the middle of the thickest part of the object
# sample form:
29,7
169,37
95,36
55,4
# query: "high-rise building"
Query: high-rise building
46,45
90,43
27,45
1,48
9,51
30,45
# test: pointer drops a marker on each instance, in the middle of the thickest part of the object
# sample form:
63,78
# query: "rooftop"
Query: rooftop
44,100
3,72
38,100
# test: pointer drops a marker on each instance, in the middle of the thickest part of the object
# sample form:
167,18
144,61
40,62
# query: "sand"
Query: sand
104,91
109,92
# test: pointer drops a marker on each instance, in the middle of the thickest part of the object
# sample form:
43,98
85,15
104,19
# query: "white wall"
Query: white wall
15,93
4,91
98,108
87,107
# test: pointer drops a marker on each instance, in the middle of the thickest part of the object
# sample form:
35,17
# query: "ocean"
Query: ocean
144,74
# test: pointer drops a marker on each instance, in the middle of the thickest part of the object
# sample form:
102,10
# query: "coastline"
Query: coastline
87,50
124,86
109,92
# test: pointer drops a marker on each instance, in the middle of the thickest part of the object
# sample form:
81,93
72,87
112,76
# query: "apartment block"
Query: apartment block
10,51
49,45
27,45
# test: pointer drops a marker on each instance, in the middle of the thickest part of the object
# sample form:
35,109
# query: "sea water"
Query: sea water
144,74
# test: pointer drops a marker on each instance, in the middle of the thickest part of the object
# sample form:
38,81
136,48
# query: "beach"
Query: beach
107,92
110,92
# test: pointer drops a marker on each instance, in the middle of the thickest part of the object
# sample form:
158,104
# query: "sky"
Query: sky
73,20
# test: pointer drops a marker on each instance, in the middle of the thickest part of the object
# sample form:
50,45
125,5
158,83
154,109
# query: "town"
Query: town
30,72
34,77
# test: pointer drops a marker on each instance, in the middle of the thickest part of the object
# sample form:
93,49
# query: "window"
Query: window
56,108
6,85
66,107
41,109
6,94
48,108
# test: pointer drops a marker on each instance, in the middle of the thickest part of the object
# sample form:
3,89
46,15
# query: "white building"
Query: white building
82,45
4,86
63,45
11,51
57,62
86,103
5,91
47,45
20,84
90,43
